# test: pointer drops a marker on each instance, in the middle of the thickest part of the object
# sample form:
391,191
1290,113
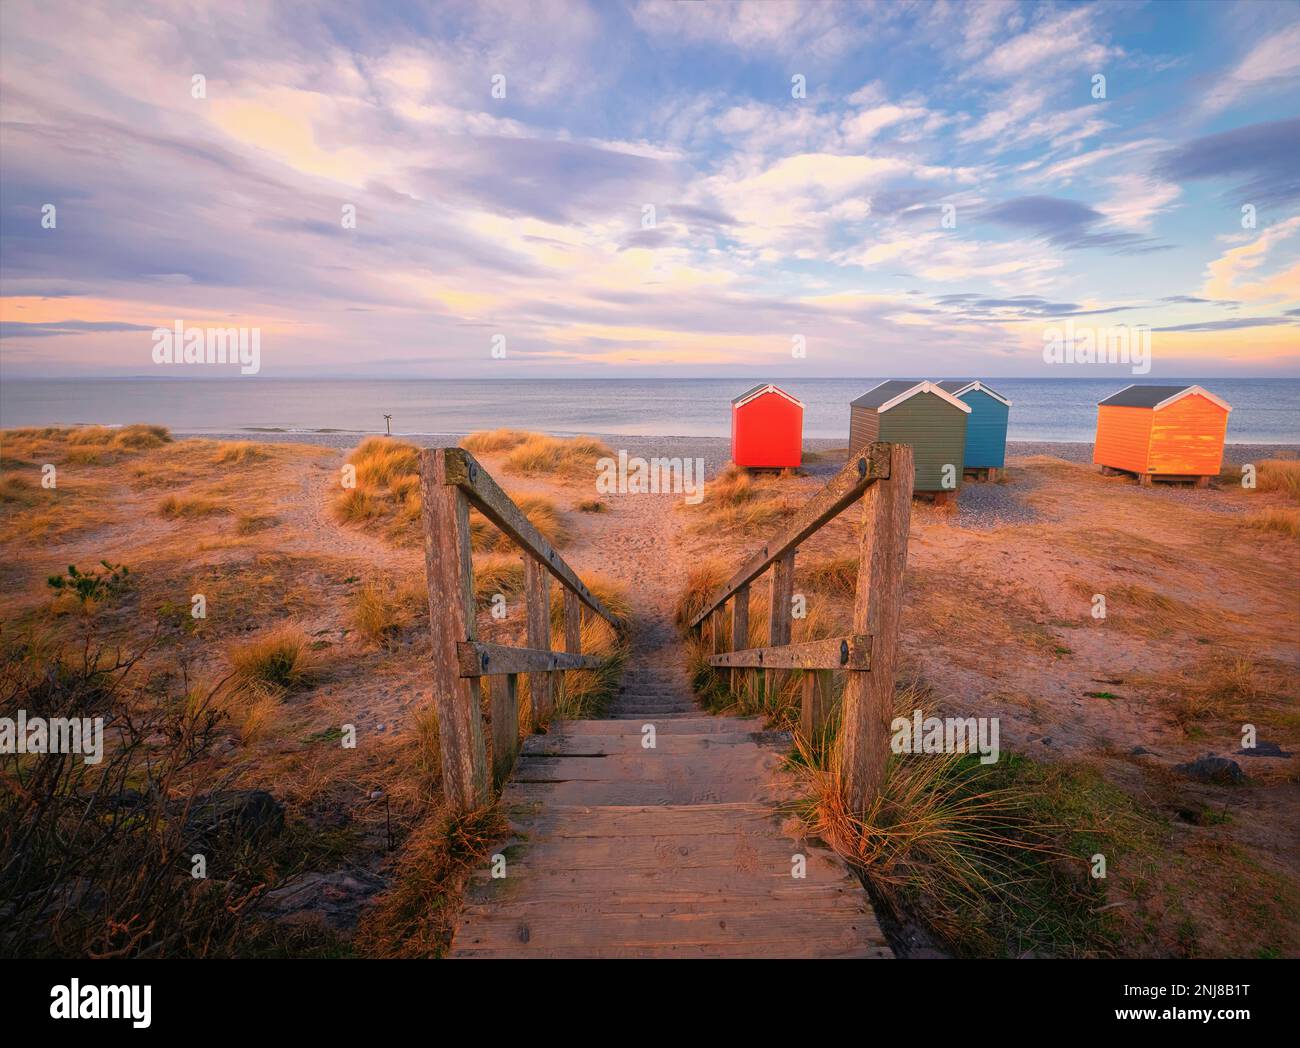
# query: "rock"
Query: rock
1140,751
1265,749
335,899
1220,770
247,813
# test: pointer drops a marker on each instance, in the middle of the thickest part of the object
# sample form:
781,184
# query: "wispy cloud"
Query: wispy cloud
646,190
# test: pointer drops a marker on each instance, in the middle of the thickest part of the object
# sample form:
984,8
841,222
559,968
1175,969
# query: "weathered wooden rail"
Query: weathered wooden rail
451,482
881,475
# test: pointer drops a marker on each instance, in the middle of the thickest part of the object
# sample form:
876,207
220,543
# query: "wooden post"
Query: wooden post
449,572
721,638
815,713
868,703
503,696
740,635
780,620
572,623
537,591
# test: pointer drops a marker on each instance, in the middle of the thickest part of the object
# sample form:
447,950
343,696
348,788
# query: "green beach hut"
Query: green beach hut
923,414
986,428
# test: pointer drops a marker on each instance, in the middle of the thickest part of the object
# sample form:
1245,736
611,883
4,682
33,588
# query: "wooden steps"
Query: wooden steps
619,850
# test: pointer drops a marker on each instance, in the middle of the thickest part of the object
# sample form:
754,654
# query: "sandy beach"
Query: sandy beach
998,622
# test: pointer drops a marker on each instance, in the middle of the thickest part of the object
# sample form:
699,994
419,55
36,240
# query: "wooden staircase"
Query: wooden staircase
622,850
657,831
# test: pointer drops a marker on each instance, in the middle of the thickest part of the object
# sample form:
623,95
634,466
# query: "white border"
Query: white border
1187,392
920,387
769,388
977,384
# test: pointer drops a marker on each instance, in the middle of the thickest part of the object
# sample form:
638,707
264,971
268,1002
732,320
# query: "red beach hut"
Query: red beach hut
766,429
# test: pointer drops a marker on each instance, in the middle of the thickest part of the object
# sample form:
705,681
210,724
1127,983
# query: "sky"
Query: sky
649,189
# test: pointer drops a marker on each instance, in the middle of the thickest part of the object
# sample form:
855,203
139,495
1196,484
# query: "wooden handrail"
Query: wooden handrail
841,491
852,652
477,659
486,496
452,481
882,476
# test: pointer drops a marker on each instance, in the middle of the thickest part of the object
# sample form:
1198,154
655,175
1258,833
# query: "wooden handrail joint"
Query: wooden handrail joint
851,652
479,659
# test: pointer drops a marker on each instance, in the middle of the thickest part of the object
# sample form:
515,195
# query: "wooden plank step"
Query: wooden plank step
794,933
633,713
724,765
525,881
662,715
631,742
653,792
485,903
696,725
712,951
757,855
583,820
665,705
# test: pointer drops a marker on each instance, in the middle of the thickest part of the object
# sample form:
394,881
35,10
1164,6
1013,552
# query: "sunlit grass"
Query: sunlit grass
543,455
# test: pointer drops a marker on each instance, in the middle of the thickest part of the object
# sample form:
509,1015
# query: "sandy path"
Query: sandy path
312,527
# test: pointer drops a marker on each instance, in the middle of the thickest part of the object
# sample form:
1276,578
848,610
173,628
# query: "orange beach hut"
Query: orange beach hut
1161,432
766,429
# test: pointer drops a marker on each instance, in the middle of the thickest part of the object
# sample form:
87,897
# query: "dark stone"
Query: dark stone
1220,770
1140,751
243,813
1265,749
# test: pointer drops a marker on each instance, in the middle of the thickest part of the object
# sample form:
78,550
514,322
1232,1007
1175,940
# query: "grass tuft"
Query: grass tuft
500,573
189,506
836,576
992,859
486,442
1279,520
541,455
281,660
380,612
416,916
387,493
1281,475
737,500
238,453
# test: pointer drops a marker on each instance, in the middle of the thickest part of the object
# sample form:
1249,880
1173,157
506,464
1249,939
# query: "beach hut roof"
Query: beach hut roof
1157,397
893,392
758,391
958,386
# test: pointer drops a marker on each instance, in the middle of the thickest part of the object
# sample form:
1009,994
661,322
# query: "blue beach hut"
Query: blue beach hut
986,426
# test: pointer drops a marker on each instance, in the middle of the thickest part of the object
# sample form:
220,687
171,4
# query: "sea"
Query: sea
1265,410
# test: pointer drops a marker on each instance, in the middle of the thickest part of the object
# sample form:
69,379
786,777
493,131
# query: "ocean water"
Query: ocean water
1265,411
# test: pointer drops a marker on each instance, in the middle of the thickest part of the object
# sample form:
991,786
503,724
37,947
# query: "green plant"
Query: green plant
90,587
